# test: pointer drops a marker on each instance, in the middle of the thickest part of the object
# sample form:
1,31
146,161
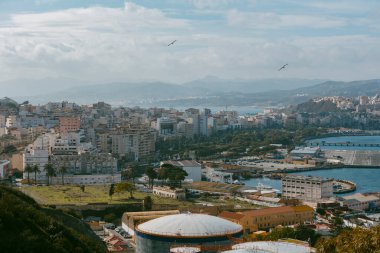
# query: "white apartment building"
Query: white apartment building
306,188
39,157
193,168
88,179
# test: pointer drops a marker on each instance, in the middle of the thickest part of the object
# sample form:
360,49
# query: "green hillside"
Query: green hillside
25,226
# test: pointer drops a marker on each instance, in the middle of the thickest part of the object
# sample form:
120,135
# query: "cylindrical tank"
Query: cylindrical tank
188,230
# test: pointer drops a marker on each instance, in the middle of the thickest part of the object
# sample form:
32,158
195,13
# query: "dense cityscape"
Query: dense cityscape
118,167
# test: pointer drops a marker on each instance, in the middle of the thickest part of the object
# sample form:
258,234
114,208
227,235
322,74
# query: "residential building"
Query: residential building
361,201
135,142
193,168
4,169
69,124
306,188
267,218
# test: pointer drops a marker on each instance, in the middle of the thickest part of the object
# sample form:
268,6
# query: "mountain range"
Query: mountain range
209,91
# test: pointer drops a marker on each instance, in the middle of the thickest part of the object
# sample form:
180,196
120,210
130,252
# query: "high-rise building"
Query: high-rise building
69,124
135,142
306,188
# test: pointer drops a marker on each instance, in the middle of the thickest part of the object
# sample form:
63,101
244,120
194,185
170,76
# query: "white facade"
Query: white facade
39,157
361,202
306,188
193,168
4,168
88,179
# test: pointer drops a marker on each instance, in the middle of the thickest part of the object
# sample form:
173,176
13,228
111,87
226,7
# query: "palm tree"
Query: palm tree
35,169
28,168
62,170
50,171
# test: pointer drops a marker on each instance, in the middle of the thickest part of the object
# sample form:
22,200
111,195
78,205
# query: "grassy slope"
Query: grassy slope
26,227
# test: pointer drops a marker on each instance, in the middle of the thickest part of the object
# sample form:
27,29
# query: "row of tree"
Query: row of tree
49,169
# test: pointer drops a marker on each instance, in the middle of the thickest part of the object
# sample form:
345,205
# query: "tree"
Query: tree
152,174
125,186
50,171
62,170
148,203
111,191
173,173
131,173
28,169
36,170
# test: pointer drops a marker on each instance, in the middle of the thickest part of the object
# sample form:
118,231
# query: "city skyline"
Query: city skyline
106,41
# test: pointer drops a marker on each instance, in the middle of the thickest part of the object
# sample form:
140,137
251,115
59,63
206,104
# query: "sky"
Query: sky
113,40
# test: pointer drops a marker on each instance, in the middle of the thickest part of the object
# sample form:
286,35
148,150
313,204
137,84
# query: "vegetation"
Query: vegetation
152,174
50,172
301,233
236,143
125,187
174,174
355,240
148,203
27,227
111,191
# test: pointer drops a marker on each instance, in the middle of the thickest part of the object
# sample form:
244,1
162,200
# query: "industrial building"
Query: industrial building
306,188
209,233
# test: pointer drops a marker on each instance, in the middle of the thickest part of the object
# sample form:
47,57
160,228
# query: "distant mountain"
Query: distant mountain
286,97
150,93
218,85
20,88
123,93
347,89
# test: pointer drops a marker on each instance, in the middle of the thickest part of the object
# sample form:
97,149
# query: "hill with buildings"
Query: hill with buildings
41,229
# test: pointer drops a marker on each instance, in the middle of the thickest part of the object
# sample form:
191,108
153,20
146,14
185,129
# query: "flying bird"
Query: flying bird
172,43
283,67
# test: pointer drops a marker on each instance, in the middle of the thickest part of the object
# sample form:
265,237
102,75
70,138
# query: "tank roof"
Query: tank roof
189,225
278,247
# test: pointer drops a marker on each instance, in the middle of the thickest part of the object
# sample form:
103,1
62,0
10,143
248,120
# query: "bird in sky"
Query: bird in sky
172,43
283,67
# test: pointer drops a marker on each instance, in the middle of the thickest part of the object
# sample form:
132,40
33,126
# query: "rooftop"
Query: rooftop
278,247
361,198
307,178
189,225
183,163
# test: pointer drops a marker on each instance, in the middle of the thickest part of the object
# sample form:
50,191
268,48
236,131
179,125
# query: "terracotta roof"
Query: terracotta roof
269,211
278,210
231,215
303,208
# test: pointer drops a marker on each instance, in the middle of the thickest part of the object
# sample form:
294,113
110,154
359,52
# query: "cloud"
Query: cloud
270,20
130,43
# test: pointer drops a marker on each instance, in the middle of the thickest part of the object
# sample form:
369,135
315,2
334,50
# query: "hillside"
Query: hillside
27,227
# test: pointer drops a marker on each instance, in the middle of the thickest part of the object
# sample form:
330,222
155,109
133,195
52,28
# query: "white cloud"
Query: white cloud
117,44
270,20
